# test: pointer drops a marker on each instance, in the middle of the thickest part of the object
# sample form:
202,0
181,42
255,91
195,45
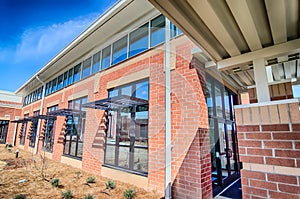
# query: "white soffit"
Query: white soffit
234,32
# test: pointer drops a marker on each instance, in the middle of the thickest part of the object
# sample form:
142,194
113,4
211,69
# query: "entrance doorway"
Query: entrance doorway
3,130
223,139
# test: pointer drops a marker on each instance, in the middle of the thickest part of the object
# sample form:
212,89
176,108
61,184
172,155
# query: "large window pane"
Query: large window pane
219,105
96,63
209,98
59,82
138,40
158,30
119,50
110,154
53,85
86,68
142,90
70,77
141,159
77,73
128,130
65,79
75,129
124,157
227,104
105,62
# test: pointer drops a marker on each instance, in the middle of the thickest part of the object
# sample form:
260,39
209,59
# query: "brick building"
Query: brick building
100,105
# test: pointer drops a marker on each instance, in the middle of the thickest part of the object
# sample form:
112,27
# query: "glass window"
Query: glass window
219,104
138,40
48,139
209,98
60,82
158,30
70,80
40,92
75,129
47,89
53,85
23,131
173,30
128,131
76,76
86,68
119,50
105,62
65,79
96,63
33,130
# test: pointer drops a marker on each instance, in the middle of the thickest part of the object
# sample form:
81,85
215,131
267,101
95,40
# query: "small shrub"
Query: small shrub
77,174
91,179
67,194
129,194
110,185
89,196
19,196
55,182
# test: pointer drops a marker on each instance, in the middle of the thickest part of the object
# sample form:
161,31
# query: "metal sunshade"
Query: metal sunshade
110,103
65,112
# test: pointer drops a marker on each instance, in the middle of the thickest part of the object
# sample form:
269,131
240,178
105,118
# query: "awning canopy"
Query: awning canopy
34,118
65,112
110,103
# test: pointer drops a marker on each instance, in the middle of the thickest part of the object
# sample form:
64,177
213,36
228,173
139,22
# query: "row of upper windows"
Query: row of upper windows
145,37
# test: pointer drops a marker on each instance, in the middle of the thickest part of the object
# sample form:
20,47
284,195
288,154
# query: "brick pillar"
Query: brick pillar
191,172
94,138
269,137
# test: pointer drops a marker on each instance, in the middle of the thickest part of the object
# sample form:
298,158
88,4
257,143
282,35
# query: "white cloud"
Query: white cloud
45,42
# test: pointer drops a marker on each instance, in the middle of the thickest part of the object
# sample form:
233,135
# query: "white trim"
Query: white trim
287,101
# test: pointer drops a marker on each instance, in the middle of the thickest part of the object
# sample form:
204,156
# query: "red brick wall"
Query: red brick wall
191,172
269,148
12,112
191,169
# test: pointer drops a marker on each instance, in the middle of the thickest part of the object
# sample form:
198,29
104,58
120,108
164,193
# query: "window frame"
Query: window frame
132,145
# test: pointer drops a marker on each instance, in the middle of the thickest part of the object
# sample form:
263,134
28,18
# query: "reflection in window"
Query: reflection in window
33,130
96,63
119,50
23,131
86,68
53,89
70,79
158,30
49,129
138,40
60,82
75,129
105,62
219,105
128,131
77,73
66,79
209,100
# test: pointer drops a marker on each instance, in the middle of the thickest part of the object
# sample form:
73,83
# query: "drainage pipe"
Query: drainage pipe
168,175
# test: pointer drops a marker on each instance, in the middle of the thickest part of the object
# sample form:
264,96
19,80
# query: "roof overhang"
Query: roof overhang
233,33
114,21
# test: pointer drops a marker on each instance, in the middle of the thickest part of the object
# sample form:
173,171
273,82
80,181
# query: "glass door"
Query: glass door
223,140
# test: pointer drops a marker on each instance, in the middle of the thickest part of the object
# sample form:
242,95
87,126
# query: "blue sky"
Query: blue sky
34,31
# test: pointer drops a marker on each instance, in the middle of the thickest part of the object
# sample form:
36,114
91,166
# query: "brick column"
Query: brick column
269,147
191,169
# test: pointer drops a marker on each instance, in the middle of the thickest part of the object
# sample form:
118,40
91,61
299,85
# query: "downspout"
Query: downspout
15,130
41,112
168,175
